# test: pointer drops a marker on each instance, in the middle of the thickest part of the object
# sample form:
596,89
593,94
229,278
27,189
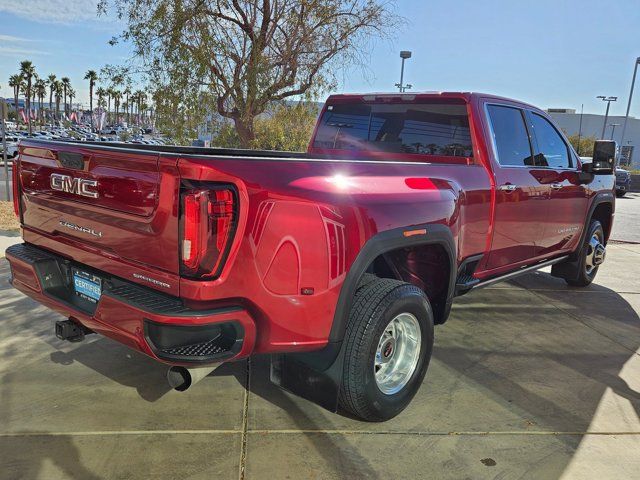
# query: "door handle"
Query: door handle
556,186
508,188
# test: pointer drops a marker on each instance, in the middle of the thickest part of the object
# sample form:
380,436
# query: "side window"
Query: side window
553,152
510,136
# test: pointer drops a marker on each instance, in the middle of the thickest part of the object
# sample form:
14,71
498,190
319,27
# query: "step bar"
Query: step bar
517,273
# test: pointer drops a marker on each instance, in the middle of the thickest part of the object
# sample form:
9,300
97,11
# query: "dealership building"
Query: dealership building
569,121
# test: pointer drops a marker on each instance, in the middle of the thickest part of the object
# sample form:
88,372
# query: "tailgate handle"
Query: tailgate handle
71,160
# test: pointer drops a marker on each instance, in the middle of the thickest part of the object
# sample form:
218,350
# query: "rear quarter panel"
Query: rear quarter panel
302,224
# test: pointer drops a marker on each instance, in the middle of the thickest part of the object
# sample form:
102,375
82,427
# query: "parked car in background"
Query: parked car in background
12,146
623,181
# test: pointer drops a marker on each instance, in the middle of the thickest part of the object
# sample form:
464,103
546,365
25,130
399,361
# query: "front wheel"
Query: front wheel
592,255
389,341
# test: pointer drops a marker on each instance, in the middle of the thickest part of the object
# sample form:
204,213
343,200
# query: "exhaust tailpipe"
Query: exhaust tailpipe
181,378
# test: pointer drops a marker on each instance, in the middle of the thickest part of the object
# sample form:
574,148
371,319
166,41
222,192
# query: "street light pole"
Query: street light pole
404,54
3,113
580,128
613,129
606,114
626,117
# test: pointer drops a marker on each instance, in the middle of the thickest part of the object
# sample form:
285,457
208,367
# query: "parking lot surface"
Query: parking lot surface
529,379
626,225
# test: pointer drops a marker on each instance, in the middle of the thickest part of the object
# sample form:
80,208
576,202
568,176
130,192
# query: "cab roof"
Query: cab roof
417,96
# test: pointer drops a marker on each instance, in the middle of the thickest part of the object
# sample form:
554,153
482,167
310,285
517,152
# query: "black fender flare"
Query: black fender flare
598,199
568,269
383,242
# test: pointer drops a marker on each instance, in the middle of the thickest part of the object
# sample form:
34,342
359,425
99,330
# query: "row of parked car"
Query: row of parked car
83,133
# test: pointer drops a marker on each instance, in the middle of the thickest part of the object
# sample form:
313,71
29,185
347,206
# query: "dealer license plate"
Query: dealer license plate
87,286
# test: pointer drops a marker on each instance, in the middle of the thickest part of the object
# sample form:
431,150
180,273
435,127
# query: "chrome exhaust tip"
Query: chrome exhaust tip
182,378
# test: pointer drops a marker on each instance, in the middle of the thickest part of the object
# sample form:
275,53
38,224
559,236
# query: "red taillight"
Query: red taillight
192,229
208,221
16,187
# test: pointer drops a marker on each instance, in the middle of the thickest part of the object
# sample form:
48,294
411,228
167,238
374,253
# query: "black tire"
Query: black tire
365,280
620,194
376,303
584,276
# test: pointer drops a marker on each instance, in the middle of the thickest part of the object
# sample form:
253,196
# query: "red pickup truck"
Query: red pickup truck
337,262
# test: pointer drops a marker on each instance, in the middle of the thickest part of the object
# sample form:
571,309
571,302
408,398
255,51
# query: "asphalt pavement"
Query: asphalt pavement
3,183
626,225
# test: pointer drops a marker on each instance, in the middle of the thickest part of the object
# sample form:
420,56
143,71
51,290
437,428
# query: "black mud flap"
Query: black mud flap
566,270
314,376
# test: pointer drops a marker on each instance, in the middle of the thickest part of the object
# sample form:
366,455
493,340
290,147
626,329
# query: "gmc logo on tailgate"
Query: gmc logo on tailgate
77,186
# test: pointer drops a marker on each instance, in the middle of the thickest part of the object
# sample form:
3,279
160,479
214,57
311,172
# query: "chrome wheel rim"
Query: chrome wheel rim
596,253
397,353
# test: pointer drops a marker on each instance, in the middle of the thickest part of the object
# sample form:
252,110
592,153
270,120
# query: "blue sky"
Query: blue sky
549,53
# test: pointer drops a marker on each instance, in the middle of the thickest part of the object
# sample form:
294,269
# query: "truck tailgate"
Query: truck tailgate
119,208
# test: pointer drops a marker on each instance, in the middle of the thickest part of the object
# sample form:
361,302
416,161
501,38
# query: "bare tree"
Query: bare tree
243,55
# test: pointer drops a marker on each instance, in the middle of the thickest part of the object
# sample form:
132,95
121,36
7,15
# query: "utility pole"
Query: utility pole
626,117
404,54
606,114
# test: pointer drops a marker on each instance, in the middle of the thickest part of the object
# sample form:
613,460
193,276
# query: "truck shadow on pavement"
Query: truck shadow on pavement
544,361
127,368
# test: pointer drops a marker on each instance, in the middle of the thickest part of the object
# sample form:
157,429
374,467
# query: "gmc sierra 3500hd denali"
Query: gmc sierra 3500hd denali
337,262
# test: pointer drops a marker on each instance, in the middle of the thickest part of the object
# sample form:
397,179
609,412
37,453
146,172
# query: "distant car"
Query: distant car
12,147
623,181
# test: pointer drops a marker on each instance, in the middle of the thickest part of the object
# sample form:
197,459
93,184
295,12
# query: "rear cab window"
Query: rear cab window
426,128
510,136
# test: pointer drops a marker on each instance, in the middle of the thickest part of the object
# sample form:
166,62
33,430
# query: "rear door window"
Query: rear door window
510,136
423,129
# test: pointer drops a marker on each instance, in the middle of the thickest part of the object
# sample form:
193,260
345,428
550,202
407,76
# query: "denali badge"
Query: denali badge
80,228
77,186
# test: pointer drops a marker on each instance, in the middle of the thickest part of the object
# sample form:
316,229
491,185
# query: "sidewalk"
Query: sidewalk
8,238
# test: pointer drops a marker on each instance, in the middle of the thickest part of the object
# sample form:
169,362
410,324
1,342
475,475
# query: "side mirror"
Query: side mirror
604,155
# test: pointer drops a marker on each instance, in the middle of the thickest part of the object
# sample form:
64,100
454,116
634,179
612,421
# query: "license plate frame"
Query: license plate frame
86,285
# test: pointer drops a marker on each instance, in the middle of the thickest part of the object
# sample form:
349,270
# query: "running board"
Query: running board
521,271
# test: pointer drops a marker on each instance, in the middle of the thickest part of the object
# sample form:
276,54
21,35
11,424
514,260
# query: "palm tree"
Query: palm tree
40,88
27,70
139,99
92,76
117,95
35,79
66,85
15,82
127,92
72,94
58,93
109,92
101,92
51,80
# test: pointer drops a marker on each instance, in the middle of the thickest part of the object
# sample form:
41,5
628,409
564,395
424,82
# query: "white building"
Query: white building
569,120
